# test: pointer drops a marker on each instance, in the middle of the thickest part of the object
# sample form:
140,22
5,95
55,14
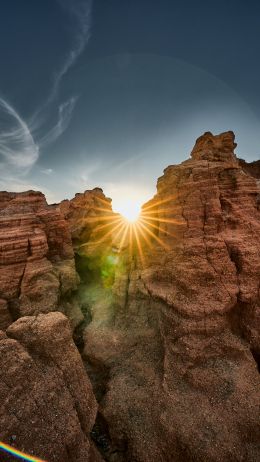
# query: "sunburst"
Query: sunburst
148,229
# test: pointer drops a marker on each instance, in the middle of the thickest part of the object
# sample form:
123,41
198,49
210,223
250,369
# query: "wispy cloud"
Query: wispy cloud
46,171
18,149
80,11
19,141
64,116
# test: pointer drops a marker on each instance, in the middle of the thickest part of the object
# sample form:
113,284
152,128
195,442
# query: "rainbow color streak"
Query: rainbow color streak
19,454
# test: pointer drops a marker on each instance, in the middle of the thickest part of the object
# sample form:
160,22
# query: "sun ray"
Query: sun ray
157,227
109,233
131,241
164,220
101,200
94,220
124,236
115,220
139,245
100,227
121,230
101,218
158,211
140,230
137,235
155,237
159,202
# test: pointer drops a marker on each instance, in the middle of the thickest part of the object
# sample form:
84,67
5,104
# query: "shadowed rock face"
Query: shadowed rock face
91,222
47,404
36,256
89,216
252,168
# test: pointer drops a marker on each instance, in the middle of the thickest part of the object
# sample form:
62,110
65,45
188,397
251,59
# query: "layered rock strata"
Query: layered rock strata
37,264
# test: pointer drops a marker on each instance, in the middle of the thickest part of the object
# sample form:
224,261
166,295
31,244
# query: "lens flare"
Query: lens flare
18,454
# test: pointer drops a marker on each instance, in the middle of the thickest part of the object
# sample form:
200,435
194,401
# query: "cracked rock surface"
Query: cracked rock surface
47,404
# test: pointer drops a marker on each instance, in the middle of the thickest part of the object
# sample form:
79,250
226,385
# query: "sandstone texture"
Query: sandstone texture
37,264
89,216
47,405
173,346
253,168
166,317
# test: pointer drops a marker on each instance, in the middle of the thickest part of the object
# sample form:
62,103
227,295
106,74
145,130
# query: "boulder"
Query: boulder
47,404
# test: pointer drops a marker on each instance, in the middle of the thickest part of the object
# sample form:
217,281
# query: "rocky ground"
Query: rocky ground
167,325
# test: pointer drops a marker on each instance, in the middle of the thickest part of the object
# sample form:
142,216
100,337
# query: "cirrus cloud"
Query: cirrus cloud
20,142
18,149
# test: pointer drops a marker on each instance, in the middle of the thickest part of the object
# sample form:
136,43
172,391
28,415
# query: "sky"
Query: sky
108,93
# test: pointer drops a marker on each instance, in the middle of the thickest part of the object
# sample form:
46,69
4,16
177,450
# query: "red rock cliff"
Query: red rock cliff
36,256
181,336
172,328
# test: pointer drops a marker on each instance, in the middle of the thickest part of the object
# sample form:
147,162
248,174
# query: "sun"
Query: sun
133,228
131,216
130,211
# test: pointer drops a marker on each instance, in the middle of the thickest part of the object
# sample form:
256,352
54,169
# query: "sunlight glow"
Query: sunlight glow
134,229
129,210
128,199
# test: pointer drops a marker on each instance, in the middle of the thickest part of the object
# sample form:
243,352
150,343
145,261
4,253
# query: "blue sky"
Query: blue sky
108,93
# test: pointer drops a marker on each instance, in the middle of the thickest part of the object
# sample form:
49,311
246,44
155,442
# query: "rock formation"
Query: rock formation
37,264
93,227
89,216
171,330
176,342
47,405
252,168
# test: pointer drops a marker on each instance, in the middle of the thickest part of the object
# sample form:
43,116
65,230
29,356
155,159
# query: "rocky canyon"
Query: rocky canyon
136,343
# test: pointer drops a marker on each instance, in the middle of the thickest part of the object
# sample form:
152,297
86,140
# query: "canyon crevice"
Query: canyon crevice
166,319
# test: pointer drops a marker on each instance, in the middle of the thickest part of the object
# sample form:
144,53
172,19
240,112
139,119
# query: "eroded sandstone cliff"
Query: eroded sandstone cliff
176,343
171,331
37,266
